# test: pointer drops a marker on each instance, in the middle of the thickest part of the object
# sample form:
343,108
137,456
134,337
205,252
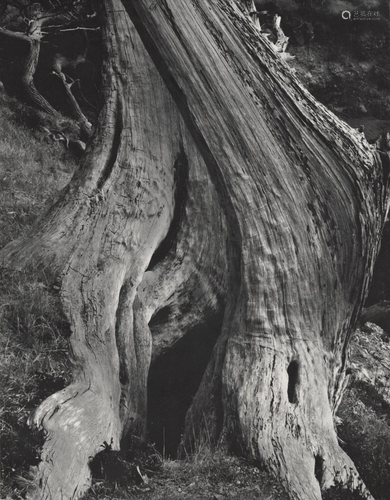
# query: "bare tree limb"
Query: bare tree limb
15,34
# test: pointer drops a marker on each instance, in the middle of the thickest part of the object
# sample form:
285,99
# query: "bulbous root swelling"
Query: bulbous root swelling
241,194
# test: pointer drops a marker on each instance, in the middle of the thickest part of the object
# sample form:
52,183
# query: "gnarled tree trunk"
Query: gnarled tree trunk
302,194
240,193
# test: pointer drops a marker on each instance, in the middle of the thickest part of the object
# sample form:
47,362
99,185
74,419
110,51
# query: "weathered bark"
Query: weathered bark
281,39
251,11
24,77
238,193
302,195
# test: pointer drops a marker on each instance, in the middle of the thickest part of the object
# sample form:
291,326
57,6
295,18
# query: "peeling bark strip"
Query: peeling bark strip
304,194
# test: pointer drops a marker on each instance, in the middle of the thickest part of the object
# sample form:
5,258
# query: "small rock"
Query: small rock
362,108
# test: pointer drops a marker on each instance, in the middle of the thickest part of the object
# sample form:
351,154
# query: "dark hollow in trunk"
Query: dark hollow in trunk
174,379
293,379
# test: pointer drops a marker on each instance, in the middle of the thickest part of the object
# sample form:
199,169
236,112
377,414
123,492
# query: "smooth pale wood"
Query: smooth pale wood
303,195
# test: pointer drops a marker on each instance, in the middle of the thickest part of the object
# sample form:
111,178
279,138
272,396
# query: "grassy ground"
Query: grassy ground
208,476
32,169
365,432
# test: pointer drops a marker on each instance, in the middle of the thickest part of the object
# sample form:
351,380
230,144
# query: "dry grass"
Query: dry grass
33,364
32,171
207,475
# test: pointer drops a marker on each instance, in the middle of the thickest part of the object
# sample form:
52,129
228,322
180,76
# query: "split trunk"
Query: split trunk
214,184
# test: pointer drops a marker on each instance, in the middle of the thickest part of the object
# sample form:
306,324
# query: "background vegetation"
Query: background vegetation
344,64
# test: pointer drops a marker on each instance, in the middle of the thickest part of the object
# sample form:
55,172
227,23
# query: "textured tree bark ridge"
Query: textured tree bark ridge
240,193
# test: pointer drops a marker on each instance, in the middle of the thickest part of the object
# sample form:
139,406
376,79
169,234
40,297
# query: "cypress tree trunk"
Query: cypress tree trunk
240,193
303,195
